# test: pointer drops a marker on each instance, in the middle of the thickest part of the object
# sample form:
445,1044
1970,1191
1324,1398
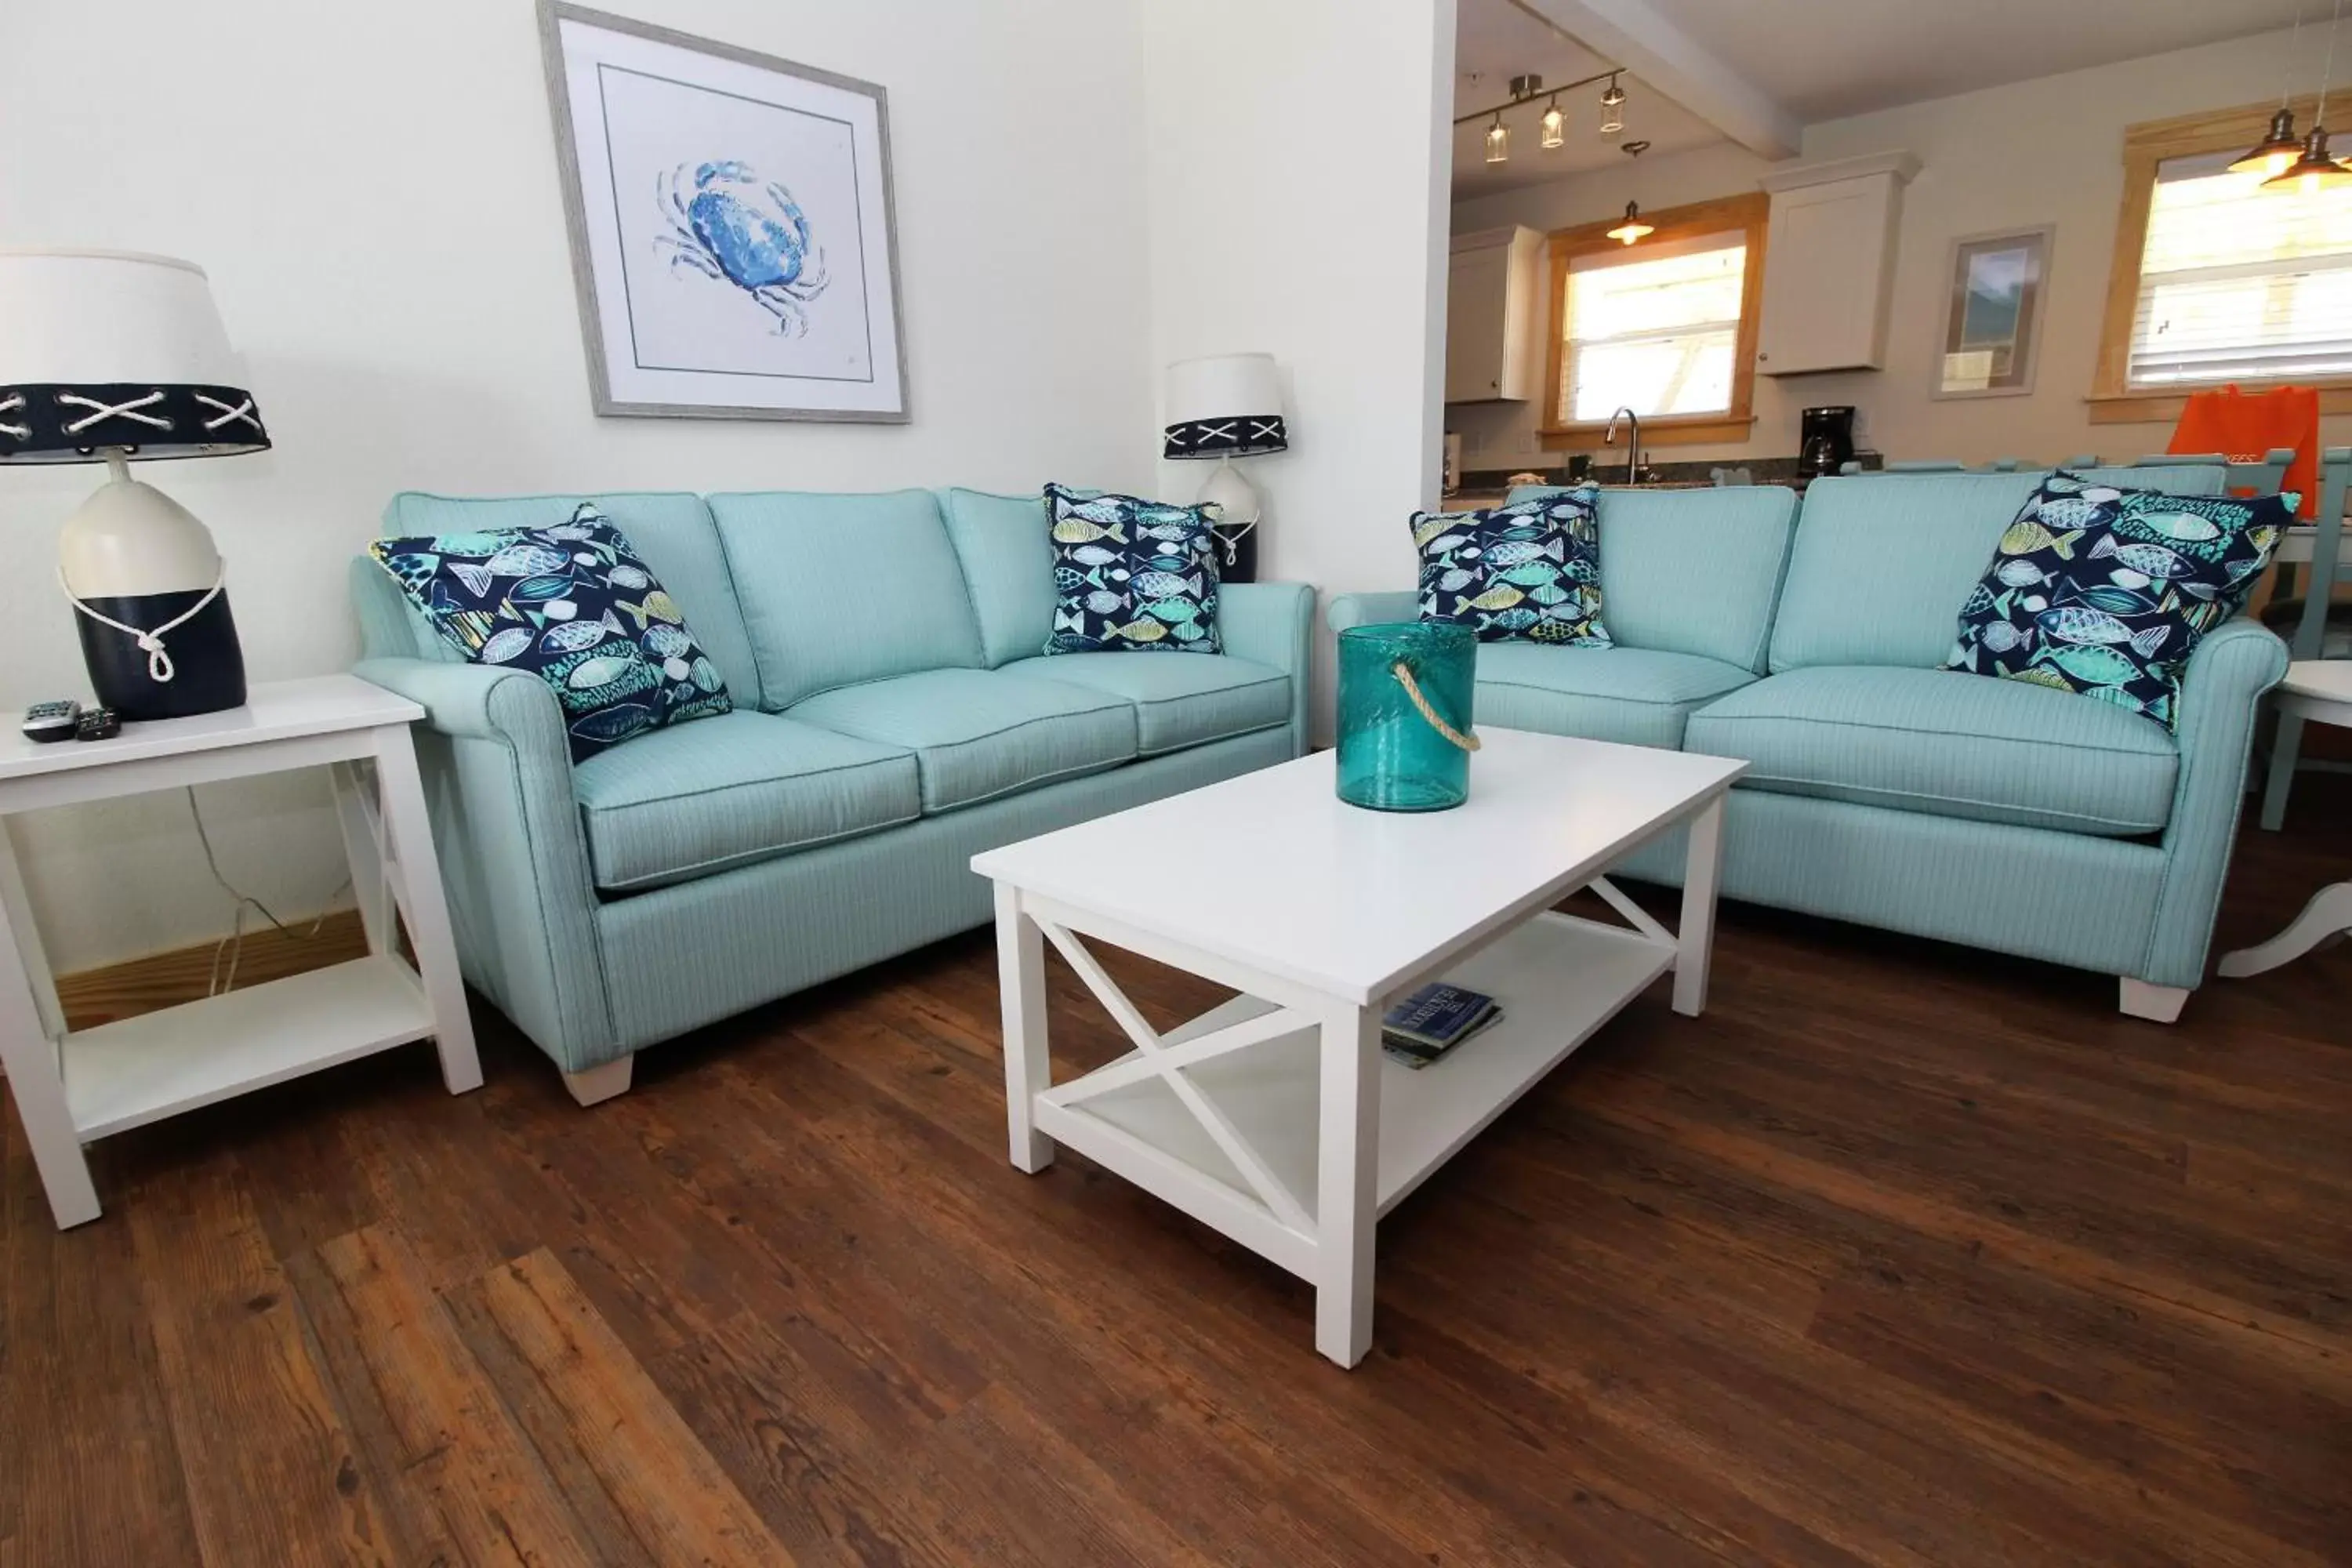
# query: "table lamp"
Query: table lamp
1223,408
106,357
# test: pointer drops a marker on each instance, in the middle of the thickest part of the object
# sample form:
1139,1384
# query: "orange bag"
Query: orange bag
2245,424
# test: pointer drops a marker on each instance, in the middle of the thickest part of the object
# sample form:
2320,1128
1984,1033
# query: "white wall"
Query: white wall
373,190
1332,264
2040,152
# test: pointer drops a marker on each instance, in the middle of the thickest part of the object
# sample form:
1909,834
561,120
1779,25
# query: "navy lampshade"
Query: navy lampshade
1227,405
110,351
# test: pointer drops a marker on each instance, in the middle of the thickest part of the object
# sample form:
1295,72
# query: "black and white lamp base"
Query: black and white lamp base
149,603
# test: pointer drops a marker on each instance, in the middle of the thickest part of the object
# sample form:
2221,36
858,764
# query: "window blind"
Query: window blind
1655,329
2238,283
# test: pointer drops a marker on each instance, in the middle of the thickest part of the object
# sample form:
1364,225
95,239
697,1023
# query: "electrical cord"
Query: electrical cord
233,945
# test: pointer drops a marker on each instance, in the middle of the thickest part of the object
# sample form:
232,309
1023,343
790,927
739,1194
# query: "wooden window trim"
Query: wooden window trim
2113,400
1751,214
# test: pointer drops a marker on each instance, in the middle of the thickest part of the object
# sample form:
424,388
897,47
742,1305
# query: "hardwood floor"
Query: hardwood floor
1901,1254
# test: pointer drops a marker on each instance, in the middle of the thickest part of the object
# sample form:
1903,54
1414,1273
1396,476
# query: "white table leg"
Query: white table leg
364,854
1695,940
1028,1063
2329,912
403,804
1346,1181
28,1049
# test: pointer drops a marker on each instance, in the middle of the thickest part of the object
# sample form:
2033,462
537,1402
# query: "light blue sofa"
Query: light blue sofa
1884,789
893,718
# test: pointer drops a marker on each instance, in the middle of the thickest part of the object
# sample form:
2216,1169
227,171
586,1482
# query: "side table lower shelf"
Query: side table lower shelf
127,1074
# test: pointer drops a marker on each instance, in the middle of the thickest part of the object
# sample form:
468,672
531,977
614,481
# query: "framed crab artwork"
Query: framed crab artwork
732,241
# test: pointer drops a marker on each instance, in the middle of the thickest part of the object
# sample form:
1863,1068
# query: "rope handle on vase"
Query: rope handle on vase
1412,690
159,668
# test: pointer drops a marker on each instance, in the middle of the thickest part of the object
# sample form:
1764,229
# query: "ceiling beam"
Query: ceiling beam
1633,34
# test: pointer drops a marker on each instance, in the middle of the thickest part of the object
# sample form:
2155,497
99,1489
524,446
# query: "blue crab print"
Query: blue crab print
728,224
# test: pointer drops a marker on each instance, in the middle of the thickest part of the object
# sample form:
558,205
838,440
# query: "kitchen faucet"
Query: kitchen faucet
1632,446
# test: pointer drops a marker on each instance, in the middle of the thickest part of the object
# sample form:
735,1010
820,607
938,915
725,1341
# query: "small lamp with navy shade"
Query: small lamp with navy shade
113,357
1220,408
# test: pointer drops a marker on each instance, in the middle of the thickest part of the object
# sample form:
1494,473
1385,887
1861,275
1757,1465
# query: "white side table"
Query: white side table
2318,691
73,1088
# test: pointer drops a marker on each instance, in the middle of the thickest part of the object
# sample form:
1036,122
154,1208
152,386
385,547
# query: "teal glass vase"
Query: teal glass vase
1404,715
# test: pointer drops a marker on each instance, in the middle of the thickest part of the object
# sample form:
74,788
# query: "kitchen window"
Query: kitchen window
2216,280
1665,326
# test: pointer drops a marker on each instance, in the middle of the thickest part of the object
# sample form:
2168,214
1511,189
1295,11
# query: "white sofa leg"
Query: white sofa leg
2157,1004
601,1083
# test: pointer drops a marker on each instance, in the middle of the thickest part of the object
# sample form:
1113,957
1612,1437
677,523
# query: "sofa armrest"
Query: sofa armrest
498,787
1349,610
2221,697
1272,623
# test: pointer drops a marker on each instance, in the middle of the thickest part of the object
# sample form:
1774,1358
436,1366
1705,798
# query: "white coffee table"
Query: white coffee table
1275,1117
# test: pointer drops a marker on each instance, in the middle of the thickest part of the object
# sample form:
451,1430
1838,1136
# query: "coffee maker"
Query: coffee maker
1826,439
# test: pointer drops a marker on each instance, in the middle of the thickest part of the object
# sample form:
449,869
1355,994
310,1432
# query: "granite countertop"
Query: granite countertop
1486,487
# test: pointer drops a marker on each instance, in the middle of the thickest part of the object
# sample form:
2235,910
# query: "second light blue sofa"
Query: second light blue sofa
1883,788
893,718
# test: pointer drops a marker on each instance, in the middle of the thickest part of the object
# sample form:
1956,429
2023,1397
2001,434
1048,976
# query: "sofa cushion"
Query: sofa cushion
684,803
2106,592
1642,697
837,589
1692,571
1936,741
574,604
1007,553
671,532
1526,570
1179,702
1883,562
980,734
1131,576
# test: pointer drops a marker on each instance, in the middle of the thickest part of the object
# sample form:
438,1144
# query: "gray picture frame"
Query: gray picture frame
2040,241
552,14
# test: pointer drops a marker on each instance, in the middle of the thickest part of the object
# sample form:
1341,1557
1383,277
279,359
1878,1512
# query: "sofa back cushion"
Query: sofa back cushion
1883,561
838,589
671,530
1692,571
1005,546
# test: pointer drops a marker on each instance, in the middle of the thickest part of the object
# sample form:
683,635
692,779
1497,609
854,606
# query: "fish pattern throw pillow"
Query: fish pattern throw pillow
2106,592
1131,574
1530,570
573,604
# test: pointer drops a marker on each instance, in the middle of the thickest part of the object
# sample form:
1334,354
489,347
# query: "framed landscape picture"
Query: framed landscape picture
1992,319
732,241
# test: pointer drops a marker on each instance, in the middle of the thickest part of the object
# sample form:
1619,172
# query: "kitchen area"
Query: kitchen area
1661,347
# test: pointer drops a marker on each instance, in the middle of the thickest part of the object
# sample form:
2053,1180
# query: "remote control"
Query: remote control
98,724
46,722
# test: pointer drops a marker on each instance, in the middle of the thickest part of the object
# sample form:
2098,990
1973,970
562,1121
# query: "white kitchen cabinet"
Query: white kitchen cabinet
1829,263
1492,295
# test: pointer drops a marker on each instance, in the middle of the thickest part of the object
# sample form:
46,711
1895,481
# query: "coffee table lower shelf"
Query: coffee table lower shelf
1558,979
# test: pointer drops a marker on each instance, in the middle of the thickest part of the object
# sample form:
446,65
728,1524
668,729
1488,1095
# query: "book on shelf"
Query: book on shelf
1434,1020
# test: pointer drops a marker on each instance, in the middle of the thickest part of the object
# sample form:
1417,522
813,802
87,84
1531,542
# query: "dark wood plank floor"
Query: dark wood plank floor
1903,1254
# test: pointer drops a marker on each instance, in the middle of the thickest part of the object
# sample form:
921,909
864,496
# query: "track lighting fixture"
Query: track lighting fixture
1555,123
1552,127
1498,141
1612,109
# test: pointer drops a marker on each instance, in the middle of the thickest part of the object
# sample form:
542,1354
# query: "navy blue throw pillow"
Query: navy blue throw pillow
1530,570
1131,574
2106,592
573,604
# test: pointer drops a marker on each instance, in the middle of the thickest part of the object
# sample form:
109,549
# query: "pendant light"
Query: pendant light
2315,170
1633,228
1612,109
1498,141
1555,124
2279,146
